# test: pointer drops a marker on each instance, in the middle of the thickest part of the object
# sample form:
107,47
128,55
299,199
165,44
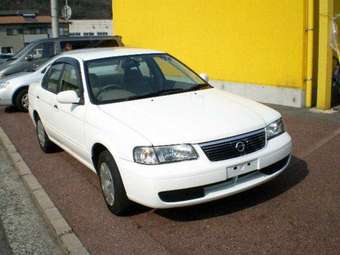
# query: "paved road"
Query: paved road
297,213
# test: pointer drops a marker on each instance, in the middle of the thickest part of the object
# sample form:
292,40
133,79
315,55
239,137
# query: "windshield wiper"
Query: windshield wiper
176,90
164,92
154,94
169,91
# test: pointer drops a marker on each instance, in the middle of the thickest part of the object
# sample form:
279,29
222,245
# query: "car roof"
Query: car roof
78,38
100,53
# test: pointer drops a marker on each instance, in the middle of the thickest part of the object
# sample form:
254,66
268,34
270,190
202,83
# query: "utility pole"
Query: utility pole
55,20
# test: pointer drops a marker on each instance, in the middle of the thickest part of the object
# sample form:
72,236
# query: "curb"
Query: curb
68,240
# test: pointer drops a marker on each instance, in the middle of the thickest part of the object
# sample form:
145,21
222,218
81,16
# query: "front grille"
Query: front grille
227,148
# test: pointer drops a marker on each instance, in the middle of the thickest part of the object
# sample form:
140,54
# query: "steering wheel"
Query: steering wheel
107,88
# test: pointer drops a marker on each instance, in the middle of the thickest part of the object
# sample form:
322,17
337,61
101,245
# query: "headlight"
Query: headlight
164,154
3,84
274,129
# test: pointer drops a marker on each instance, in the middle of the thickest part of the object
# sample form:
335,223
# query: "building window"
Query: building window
35,31
7,50
102,33
88,34
74,34
14,31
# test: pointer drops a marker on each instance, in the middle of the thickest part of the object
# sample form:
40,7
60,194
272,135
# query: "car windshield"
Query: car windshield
139,76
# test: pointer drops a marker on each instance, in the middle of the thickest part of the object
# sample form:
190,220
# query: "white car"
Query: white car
14,88
154,131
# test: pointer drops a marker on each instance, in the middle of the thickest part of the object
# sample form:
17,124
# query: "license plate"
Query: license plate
240,169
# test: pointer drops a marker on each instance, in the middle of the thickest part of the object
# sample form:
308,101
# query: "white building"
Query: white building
90,27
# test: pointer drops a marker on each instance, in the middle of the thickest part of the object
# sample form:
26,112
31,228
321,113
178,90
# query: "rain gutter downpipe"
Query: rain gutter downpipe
310,53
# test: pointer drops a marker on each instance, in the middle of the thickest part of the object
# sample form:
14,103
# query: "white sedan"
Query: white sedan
154,131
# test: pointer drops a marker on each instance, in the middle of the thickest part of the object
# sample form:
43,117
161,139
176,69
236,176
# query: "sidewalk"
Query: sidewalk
24,229
4,247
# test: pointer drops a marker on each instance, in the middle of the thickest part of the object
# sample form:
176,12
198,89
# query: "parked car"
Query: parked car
40,51
154,131
14,88
5,57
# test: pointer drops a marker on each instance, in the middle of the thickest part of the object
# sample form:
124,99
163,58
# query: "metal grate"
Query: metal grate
235,146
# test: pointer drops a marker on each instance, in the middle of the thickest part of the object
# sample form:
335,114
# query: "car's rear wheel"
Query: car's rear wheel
21,100
45,143
112,185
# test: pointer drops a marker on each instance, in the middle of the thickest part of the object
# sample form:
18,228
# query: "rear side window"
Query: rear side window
83,44
43,51
70,79
52,78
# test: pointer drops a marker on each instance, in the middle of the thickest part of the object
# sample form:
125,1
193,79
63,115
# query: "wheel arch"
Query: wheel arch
17,92
36,116
97,148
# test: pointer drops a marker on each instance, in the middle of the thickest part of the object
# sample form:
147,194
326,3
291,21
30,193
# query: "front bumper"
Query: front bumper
148,184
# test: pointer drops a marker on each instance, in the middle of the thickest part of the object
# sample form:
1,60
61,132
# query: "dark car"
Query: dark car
5,57
38,52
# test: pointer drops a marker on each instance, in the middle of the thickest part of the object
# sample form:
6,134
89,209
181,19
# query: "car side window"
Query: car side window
70,79
43,51
52,78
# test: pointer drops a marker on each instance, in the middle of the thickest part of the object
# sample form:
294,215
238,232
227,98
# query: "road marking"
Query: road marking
320,143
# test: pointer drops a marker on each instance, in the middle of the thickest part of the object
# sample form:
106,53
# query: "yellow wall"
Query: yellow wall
337,11
337,6
249,41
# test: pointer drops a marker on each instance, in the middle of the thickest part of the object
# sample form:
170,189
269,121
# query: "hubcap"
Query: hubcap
41,133
24,101
107,183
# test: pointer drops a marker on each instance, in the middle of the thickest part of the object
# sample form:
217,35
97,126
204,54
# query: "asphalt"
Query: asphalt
296,213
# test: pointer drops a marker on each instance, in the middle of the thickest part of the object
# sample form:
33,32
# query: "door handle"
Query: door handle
55,106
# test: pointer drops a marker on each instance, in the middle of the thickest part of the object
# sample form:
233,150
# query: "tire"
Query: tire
112,185
21,100
45,143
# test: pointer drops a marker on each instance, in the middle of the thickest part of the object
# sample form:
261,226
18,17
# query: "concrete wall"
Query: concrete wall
15,41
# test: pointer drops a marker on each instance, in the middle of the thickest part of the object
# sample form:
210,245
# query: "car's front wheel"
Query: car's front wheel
45,143
112,185
21,100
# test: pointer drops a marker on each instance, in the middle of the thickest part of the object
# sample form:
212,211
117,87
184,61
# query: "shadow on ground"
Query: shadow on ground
11,109
294,174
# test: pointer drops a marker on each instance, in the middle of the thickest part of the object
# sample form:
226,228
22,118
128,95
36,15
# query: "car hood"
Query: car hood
5,64
191,117
21,75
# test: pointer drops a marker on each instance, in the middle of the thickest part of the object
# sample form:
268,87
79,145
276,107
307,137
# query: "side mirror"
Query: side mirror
68,97
29,58
204,76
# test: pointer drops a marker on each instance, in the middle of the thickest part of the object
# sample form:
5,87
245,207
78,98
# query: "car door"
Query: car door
46,98
70,117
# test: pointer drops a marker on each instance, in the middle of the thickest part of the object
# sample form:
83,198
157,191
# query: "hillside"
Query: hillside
82,9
